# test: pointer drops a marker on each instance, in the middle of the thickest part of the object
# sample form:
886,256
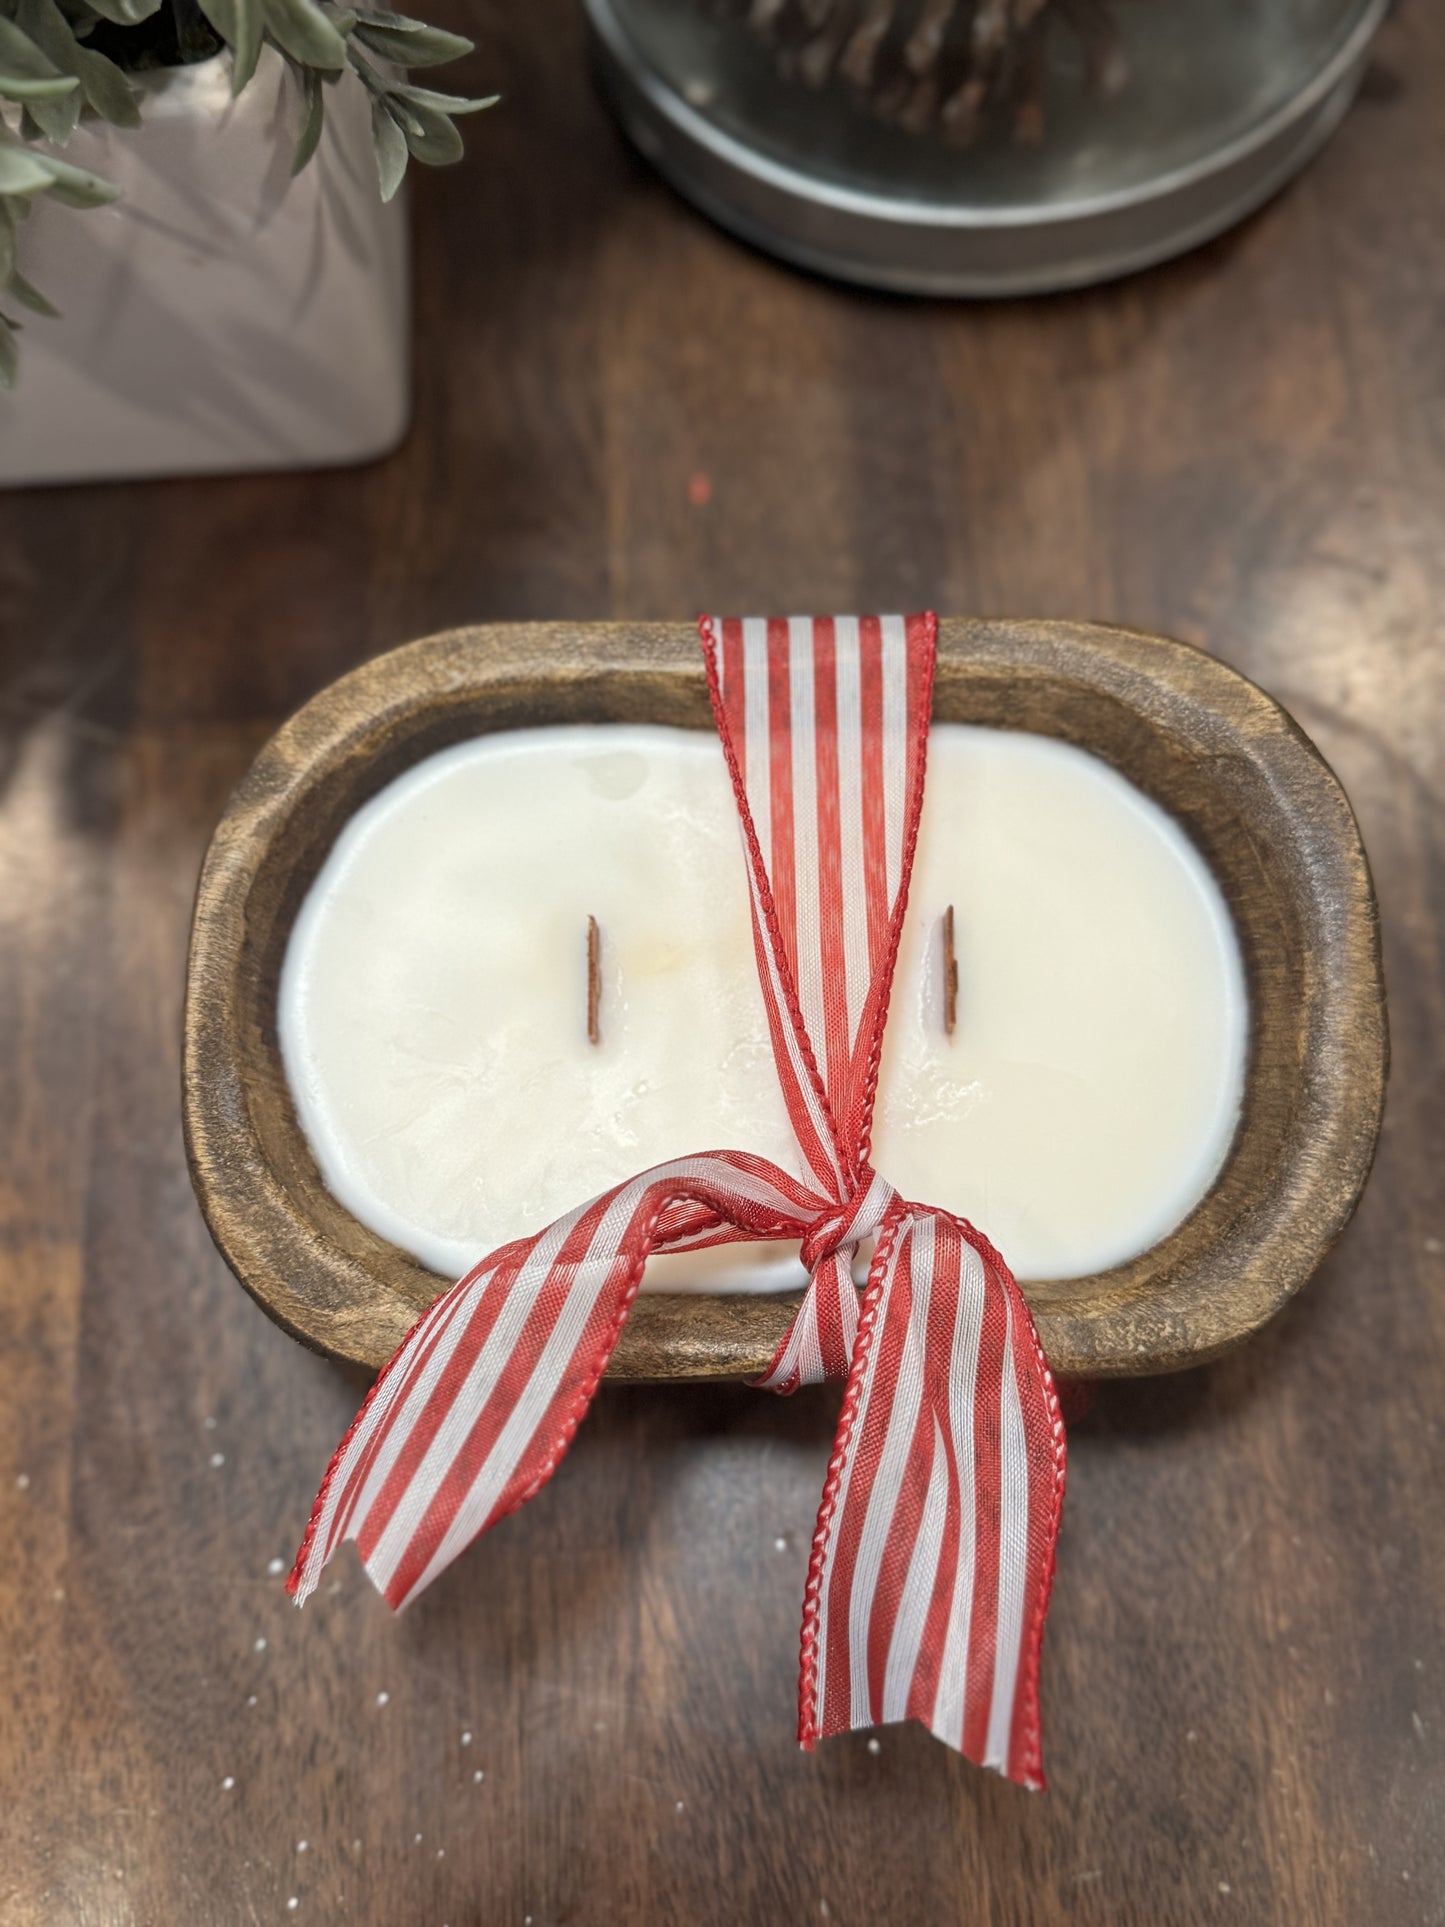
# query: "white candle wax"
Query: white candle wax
433,1006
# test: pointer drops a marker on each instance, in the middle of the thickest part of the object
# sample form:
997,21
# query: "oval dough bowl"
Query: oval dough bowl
1227,761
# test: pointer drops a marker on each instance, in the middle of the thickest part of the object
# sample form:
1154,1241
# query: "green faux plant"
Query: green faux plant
64,59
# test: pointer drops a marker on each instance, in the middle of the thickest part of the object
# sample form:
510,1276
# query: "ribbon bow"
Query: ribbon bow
933,1553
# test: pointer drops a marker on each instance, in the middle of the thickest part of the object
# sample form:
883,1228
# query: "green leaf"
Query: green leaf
9,358
75,186
105,88
28,77
403,116
313,114
438,144
22,172
14,284
30,296
18,87
124,13
239,23
56,119
301,29
411,45
390,144
20,56
445,103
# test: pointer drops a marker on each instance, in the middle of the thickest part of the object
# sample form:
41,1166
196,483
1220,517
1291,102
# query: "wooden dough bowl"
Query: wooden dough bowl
1231,765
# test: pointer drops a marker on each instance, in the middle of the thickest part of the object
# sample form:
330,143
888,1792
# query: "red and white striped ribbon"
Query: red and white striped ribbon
933,1553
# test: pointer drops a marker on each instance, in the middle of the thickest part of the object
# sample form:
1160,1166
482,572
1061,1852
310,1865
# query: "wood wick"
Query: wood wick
950,975
594,982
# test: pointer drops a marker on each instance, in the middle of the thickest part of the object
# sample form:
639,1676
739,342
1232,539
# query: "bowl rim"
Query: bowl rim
1205,1287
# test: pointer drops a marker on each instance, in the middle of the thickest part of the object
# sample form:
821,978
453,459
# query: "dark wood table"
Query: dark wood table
590,1718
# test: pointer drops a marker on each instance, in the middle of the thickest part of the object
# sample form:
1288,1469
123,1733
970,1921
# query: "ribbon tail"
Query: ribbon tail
478,1406
933,1555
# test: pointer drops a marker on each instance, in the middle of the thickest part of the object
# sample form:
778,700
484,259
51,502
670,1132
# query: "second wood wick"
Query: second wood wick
594,982
950,975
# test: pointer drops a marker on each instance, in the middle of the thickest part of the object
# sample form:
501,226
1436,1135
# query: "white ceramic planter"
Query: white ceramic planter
220,316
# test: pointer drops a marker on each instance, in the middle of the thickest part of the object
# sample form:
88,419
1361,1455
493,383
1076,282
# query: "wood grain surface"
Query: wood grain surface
1210,746
1244,1681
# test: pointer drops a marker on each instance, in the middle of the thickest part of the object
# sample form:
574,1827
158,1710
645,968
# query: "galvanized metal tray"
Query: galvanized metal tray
1224,105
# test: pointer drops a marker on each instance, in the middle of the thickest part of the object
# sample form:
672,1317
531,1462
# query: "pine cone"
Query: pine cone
946,64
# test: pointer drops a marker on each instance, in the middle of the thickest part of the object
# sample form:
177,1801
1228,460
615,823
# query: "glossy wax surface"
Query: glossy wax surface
433,1008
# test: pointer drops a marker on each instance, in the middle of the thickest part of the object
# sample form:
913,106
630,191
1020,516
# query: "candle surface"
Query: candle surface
434,1000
